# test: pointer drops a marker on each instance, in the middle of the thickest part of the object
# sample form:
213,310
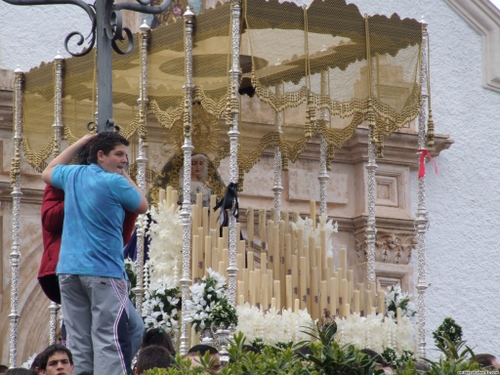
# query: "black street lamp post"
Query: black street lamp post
106,31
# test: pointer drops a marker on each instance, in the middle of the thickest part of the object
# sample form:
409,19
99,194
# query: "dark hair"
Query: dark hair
86,373
158,336
83,155
105,142
153,356
3,368
50,351
37,362
20,371
485,359
202,349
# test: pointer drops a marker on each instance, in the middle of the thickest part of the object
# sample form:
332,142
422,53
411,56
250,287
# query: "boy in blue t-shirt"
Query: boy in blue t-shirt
91,266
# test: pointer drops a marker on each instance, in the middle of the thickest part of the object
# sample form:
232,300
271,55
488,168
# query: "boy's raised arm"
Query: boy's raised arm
65,157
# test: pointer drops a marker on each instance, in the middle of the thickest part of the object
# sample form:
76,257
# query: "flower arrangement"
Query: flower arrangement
307,228
395,298
273,326
208,293
373,332
165,249
159,308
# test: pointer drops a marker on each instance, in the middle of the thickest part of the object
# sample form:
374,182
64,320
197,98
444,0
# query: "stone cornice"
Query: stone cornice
484,18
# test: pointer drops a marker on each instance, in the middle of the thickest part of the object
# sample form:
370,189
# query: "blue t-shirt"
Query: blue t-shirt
94,203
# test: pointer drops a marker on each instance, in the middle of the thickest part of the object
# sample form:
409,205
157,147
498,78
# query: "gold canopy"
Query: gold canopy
327,63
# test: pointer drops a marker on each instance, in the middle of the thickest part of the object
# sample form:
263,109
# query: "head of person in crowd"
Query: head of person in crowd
152,356
381,363
198,351
488,361
36,365
57,360
158,336
3,369
109,150
20,371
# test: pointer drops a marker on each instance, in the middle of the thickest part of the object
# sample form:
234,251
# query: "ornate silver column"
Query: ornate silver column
57,127
323,176
187,147
15,182
371,167
142,160
278,186
421,221
234,135
371,230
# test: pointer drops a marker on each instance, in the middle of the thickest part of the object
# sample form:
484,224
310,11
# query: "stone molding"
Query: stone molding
484,18
391,246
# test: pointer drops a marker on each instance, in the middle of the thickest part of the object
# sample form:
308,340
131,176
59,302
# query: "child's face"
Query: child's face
115,161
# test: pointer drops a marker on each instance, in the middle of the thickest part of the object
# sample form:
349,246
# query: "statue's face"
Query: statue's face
197,166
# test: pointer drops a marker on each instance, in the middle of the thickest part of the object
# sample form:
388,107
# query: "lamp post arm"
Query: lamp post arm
142,8
87,7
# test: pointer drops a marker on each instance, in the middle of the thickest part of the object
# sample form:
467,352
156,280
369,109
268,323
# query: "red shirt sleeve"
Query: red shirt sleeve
128,226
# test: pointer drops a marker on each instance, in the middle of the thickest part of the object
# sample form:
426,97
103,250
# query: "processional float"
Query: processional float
183,83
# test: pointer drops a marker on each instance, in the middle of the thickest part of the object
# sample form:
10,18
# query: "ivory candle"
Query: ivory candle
258,291
169,197
241,300
161,197
262,227
303,284
347,311
250,260
251,287
300,242
296,306
263,262
356,301
288,254
312,207
277,293
345,291
322,239
215,258
381,302
175,197
343,262
312,250
222,268
205,223
208,251
315,313
250,225
334,295
241,288
295,276
199,199
289,291
265,292
324,297
240,263
196,257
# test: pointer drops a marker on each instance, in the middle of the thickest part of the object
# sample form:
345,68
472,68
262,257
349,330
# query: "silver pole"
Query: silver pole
371,230
142,160
187,147
234,135
278,186
58,125
15,181
323,176
421,221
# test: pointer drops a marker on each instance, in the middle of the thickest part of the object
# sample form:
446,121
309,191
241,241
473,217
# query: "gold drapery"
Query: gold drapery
281,45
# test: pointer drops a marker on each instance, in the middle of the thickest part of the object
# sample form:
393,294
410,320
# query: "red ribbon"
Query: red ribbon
421,168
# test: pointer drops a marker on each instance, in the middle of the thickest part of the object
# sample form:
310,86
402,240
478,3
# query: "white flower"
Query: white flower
29,362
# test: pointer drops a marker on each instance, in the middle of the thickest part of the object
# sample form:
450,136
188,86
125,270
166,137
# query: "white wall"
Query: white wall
463,202
32,34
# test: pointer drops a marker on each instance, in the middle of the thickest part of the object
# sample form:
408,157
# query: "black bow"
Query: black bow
229,201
